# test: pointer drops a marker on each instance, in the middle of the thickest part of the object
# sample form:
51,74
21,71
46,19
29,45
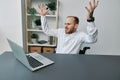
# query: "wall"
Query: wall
10,23
107,21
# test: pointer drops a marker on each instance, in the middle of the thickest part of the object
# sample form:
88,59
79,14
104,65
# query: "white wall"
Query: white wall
10,23
107,21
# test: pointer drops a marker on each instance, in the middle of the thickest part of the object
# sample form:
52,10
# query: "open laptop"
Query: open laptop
32,61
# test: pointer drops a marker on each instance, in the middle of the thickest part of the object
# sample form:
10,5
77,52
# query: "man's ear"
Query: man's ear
76,26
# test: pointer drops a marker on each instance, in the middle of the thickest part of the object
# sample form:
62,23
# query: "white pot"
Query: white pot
34,40
33,25
52,12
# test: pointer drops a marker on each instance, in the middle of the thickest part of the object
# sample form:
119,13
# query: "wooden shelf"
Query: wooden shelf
40,15
32,26
35,30
37,44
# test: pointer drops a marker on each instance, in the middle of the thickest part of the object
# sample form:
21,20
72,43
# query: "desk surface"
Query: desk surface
66,67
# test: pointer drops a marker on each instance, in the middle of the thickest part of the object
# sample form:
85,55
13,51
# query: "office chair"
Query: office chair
84,50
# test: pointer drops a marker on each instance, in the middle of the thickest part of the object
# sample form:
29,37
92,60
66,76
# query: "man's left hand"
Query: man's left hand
90,8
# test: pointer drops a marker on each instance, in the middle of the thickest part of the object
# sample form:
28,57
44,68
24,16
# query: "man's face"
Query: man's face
70,25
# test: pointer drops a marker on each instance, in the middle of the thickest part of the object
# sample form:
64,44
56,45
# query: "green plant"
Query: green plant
51,6
34,36
38,22
32,11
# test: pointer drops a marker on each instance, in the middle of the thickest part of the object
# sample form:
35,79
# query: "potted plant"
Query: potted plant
38,23
34,38
32,12
51,6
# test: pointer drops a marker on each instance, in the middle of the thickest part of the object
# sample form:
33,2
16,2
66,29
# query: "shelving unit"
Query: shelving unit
31,27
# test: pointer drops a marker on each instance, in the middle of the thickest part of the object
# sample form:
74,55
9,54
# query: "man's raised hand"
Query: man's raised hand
90,8
43,9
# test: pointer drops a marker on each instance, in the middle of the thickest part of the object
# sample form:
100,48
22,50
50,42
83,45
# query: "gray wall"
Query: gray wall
107,20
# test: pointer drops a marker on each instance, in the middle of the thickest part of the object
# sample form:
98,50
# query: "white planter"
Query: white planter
34,41
52,12
33,25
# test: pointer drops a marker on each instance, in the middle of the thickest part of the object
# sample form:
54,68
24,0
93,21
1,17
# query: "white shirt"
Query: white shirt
70,43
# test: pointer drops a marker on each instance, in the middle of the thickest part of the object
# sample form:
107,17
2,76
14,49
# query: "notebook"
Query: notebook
32,61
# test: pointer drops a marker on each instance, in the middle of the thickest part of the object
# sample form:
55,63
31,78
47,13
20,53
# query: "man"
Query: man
69,39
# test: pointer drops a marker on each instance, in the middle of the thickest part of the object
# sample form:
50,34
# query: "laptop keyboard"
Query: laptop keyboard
33,62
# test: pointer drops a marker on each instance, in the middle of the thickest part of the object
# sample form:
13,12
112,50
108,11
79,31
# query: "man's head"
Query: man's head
71,24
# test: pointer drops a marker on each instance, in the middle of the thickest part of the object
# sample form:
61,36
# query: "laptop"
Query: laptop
32,61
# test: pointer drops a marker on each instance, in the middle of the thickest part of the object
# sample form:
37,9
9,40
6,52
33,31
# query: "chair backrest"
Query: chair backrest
84,50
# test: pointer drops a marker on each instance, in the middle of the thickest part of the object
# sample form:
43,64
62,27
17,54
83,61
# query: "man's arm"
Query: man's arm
45,27
92,31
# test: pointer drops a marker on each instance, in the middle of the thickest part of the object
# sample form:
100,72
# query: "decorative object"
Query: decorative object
42,41
52,7
51,40
34,38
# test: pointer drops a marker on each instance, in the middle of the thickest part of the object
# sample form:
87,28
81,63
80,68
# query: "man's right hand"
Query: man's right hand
43,10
